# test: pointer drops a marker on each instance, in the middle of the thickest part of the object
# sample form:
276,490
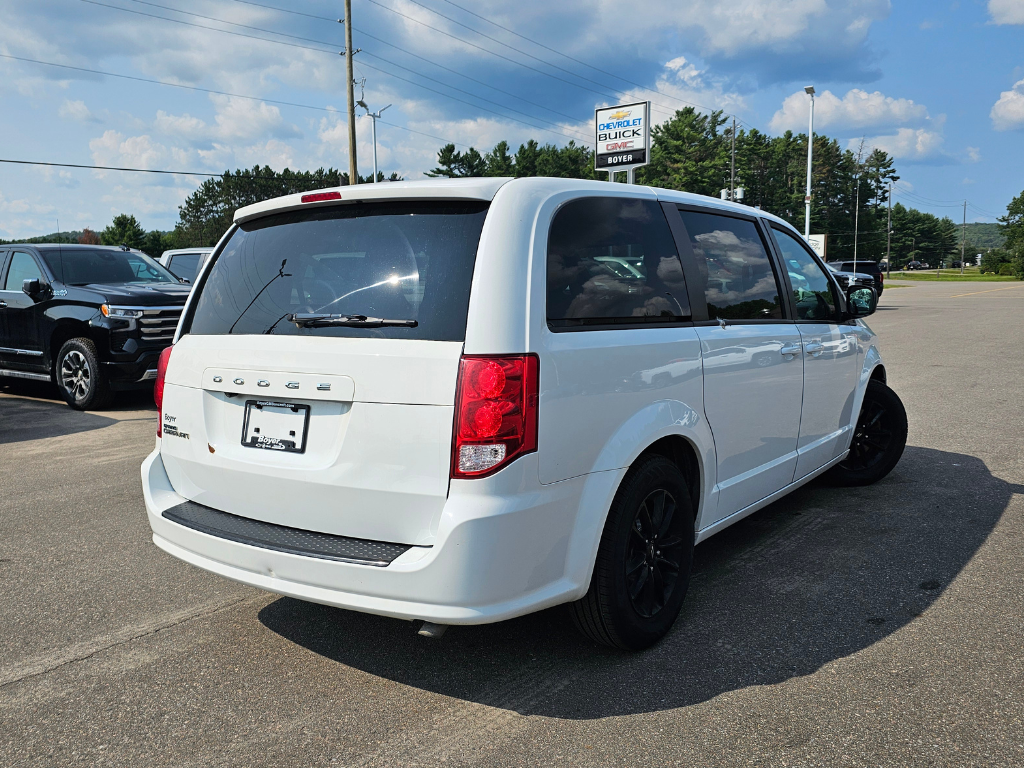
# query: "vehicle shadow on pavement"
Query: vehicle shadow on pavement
817,576
38,412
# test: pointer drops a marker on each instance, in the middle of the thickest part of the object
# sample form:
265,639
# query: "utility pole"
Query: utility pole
353,170
732,164
963,240
373,116
888,236
809,90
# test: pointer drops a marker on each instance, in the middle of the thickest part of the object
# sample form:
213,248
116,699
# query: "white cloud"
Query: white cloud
1008,113
236,120
974,154
906,144
857,109
1006,11
113,148
75,110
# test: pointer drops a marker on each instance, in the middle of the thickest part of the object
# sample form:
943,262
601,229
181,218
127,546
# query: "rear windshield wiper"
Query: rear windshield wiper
322,320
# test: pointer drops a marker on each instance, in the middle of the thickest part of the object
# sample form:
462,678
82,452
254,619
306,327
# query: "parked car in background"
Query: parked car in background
912,265
462,401
91,318
846,279
864,268
186,262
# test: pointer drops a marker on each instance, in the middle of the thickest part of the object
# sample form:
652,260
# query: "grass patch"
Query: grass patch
971,274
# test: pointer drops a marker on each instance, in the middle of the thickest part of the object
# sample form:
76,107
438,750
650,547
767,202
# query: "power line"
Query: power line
572,58
405,51
464,41
111,168
557,129
217,93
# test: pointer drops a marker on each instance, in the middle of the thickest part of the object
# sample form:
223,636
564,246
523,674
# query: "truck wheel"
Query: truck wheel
643,562
878,441
80,377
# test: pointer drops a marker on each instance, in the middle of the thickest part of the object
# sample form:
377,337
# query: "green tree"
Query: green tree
124,230
207,213
1013,228
689,152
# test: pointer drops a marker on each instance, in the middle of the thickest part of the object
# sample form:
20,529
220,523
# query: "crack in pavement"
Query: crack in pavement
42,663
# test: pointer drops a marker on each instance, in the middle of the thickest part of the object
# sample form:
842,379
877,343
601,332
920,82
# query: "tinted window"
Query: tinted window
81,267
739,282
613,261
185,265
812,290
23,267
864,267
398,261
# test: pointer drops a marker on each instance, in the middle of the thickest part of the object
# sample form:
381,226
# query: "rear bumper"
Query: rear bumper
500,552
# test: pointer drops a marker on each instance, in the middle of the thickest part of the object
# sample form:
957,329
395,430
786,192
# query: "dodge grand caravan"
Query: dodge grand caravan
466,400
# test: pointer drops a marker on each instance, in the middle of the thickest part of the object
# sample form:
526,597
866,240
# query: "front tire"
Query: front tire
643,563
878,440
80,377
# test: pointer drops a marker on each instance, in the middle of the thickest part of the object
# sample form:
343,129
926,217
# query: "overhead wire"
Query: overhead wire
604,93
330,110
558,129
571,58
409,53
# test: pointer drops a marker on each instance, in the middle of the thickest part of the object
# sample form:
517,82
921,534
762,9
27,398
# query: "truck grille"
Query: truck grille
159,323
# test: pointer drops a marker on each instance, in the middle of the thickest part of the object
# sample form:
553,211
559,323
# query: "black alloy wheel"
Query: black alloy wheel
878,439
642,569
79,377
654,554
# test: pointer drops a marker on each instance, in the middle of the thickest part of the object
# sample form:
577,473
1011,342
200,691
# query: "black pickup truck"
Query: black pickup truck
93,319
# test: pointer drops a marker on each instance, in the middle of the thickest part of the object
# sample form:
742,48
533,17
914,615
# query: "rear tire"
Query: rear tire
80,377
878,440
643,563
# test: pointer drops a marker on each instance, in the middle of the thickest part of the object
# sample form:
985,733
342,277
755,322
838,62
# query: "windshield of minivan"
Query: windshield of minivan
81,267
409,261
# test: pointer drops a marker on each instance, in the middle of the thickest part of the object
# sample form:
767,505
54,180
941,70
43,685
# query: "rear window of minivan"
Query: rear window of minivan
394,260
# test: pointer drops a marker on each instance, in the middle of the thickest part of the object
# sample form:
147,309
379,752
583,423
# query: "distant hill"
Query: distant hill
64,237
985,236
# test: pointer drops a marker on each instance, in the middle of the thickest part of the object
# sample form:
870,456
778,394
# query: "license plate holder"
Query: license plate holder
275,425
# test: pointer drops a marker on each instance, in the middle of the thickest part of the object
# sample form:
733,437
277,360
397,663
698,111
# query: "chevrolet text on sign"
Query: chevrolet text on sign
623,136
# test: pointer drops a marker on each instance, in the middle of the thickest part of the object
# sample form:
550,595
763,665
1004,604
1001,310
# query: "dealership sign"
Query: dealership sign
623,136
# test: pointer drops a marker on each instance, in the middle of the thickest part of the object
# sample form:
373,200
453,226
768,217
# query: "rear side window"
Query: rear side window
739,281
612,261
397,261
185,265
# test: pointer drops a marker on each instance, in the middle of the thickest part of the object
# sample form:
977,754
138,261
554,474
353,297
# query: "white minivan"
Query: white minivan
462,401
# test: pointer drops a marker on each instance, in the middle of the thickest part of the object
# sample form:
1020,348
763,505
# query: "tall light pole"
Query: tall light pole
373,116
809,90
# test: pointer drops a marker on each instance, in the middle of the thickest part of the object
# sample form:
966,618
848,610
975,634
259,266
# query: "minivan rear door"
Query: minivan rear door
313,383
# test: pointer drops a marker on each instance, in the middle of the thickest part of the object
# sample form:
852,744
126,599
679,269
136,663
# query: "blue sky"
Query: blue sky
940,85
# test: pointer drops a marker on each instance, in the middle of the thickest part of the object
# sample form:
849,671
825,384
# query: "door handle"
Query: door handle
2,303
790,350
814,348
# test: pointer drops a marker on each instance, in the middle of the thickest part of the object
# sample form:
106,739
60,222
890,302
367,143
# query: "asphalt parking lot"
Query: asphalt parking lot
855,627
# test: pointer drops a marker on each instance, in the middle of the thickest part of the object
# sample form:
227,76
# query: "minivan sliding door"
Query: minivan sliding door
751,353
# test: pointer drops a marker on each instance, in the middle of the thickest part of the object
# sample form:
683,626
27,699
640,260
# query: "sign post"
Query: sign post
623,136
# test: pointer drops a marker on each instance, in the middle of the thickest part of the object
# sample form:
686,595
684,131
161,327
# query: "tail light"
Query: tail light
158,389
495,413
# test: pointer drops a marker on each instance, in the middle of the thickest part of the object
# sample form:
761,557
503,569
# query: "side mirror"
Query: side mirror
31,286
861,302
